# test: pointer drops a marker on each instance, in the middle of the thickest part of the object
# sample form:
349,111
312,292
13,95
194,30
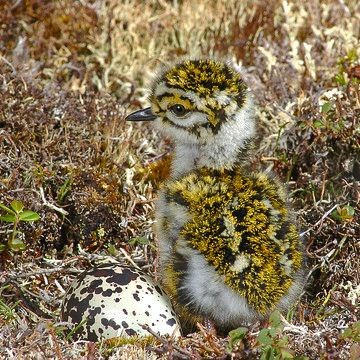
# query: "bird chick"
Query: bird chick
229,249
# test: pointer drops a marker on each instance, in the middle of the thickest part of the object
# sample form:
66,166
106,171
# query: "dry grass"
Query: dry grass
69,70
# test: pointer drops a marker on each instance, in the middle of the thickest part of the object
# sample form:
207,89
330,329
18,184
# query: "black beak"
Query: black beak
141,115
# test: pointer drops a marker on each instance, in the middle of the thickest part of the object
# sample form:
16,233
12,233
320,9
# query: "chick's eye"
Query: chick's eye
178,110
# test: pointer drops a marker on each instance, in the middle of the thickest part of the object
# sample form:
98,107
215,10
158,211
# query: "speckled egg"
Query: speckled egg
114,300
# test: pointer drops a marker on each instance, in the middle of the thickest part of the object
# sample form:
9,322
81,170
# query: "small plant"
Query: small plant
15,214
272,341
139,240
64,190
236,336
8,313
344,64
352,332
344,213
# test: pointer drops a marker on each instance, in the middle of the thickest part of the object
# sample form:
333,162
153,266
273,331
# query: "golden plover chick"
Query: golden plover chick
229,249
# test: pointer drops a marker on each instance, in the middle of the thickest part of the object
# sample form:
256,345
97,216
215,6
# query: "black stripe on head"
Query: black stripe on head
170,95
220,116
205,78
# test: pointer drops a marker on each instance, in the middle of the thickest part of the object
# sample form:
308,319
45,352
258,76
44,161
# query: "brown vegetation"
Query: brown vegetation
70,70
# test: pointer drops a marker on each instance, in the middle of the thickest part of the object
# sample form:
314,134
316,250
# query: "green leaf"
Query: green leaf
17,206
112,250
283,342
273,331
345,213
16,245
267,354
28,215
140,240
2,248
352,55
8,218
275,319
264,337
286,354
2,206
318,124
326,107
352,332
236,336
64,190
340,79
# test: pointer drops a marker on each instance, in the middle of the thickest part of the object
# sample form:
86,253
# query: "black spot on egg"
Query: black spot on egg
114,325
92,287
125,278
125,311
105,322
91,334
130,332
171,322
92,314
100,272
136,297
124,324
78,307
107,293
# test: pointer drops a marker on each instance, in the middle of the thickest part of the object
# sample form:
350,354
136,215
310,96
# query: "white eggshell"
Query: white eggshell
115,300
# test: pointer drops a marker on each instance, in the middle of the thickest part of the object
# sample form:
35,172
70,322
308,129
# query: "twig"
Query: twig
293,328
28,304
319,222
169,346
96,257
51,206
127,257
269,158
209,335
8,63
16,4
42,272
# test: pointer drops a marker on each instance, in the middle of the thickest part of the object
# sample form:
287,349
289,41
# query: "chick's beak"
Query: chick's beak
141,115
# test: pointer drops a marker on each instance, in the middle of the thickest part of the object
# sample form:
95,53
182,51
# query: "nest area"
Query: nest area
70,70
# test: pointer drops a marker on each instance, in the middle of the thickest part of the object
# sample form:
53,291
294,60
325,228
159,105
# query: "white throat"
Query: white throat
219,151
